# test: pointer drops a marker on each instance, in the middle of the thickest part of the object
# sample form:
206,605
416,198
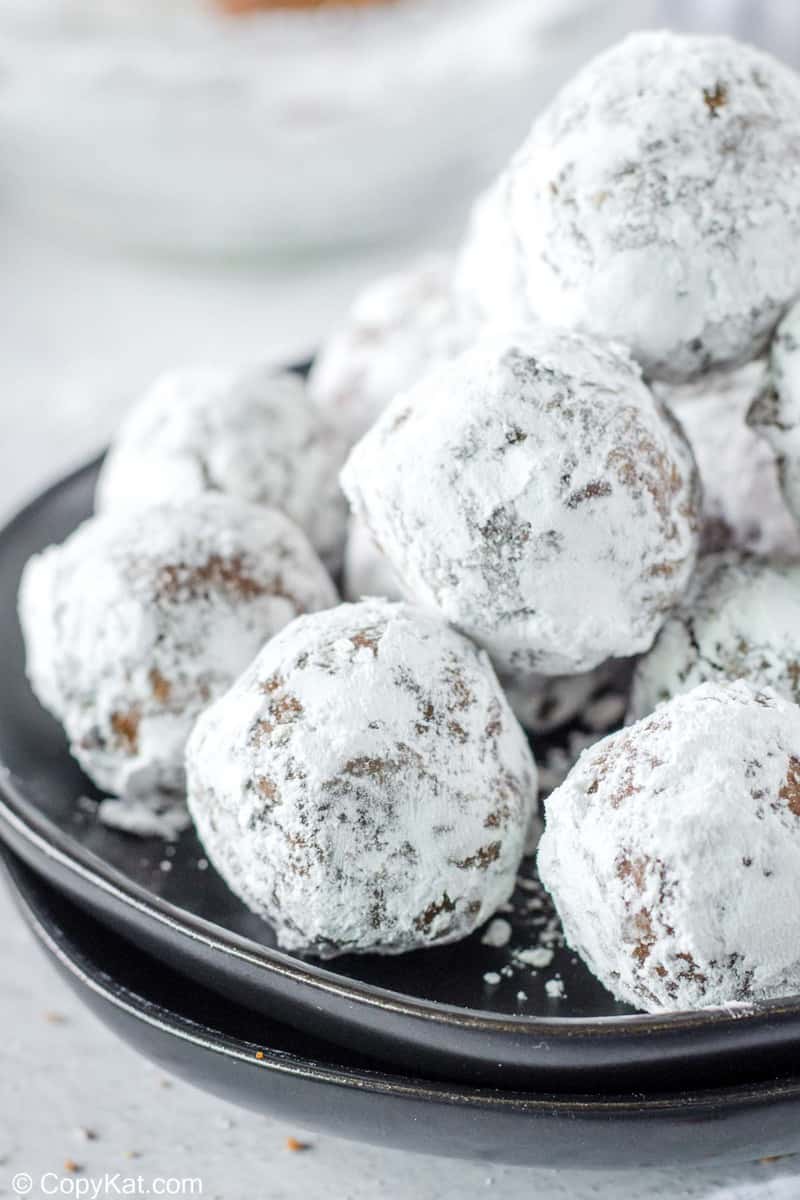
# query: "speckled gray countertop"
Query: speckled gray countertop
79,336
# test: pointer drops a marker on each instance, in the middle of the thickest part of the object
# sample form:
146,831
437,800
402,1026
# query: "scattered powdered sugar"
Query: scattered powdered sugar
532,936
654,199
492,978
140,618
740,620
497,933
672,852
775,412
155,816
254,434
535,492
396,329
554,989
538,957
364,785
743,507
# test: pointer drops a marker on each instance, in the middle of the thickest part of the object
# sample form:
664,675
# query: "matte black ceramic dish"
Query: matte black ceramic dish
213,1043
431,1010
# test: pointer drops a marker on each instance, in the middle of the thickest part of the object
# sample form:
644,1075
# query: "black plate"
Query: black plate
214,1044
431,1010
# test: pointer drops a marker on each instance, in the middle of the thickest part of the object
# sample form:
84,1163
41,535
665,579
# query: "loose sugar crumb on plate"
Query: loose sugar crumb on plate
497,933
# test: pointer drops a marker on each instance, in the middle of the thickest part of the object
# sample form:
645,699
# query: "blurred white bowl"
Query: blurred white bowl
164,127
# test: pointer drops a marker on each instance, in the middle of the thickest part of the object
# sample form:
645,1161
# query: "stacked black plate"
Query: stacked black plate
418,1051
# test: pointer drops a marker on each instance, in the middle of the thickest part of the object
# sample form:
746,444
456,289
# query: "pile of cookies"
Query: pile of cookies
575,442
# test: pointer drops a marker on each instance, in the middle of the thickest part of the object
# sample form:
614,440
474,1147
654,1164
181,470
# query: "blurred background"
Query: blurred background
211,180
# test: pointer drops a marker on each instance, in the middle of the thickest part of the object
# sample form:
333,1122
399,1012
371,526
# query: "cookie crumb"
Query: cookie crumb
536,956
497,933
296,1146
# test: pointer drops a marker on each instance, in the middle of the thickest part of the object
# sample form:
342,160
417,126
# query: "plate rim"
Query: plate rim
156,1014
17,811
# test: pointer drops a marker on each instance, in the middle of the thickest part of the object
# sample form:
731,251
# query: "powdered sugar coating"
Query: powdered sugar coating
254,434
672,852
488,282
775,412
535,492
397,327
367,571
654,200
740,620
140,619
364,785
742,502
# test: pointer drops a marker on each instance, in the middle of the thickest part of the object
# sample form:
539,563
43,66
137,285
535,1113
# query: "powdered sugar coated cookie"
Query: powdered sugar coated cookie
140,619
740,620
654,199
743,507
364,785
251,433
672,852
775,412
397,327
535,492
367,571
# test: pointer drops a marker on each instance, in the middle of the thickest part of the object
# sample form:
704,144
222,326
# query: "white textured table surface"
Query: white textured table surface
78,337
